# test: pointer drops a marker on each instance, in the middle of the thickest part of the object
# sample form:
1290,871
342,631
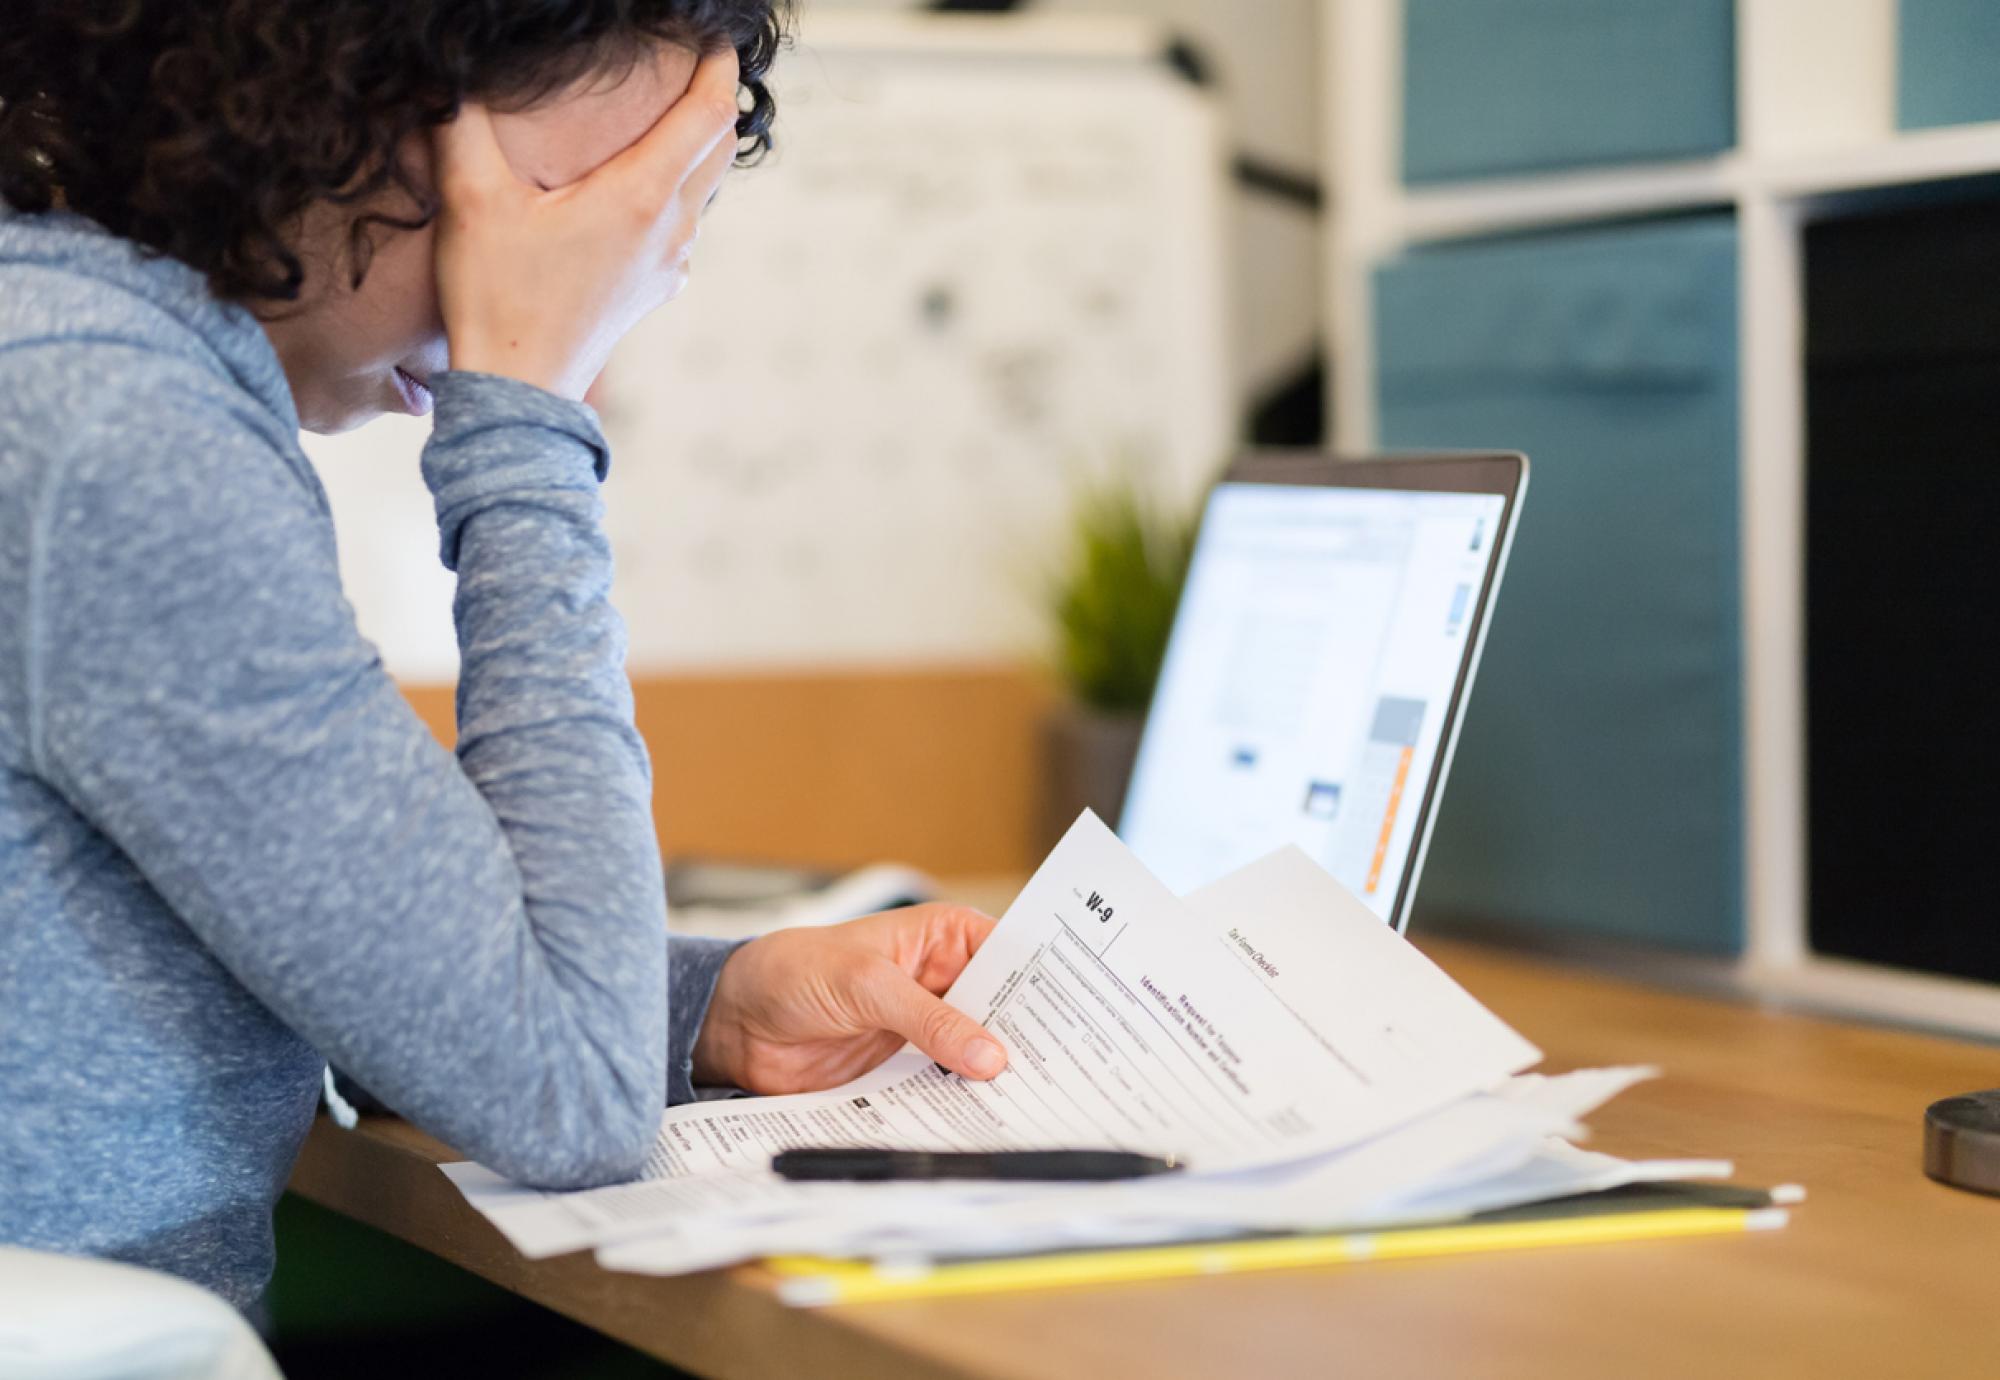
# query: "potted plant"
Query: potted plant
1111,598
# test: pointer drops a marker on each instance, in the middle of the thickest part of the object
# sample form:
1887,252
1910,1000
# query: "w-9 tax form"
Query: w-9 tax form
1269,1018
1130,1022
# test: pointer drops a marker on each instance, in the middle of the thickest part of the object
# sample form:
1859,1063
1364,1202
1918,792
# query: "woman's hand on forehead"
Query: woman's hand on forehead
539,284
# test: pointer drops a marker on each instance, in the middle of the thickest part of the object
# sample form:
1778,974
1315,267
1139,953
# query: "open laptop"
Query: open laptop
1319,666
1311,693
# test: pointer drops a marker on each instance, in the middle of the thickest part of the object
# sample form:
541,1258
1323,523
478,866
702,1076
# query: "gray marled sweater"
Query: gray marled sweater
230,853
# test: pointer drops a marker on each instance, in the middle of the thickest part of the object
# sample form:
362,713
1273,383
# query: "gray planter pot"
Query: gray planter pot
1087,760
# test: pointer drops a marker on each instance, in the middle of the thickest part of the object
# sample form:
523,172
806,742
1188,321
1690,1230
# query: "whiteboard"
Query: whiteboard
986,261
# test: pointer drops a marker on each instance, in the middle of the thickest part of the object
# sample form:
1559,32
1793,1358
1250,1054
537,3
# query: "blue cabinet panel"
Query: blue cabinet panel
1597,785
1509,86
1948,62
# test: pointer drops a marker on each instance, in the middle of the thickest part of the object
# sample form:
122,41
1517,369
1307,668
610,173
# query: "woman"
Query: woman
229,853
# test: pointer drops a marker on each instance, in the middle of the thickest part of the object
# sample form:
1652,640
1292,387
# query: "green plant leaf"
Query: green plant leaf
1115,591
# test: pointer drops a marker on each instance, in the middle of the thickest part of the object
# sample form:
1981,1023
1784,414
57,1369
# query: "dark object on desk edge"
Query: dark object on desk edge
884,1165
1962,1141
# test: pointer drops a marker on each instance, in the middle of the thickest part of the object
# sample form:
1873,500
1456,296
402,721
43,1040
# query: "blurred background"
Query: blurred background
900,477
997,262
899,484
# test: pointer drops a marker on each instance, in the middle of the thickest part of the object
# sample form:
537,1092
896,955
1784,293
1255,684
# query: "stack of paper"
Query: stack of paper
1312,1068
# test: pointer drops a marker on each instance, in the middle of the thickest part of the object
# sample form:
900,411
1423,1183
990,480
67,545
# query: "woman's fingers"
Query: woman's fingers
680,142
892,999
699,190
677,250
470,159
971,926
952,936
708,178
540,286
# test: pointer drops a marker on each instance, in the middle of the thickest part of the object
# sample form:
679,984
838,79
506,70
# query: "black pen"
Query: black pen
998,1164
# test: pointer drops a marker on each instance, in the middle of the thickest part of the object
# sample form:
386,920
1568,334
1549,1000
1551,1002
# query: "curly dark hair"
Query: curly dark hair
203,129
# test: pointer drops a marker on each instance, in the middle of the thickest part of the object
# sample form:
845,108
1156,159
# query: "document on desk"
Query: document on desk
1492,1149
1268,1018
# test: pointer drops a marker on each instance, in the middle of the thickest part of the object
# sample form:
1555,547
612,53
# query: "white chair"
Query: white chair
69,1318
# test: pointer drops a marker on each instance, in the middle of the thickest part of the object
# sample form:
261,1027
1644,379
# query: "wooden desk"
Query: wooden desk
1881,1274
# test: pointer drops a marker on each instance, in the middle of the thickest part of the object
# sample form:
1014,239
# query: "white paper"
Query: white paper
1130,1022
1297,1026
1368,996
1556,1169
1508,1132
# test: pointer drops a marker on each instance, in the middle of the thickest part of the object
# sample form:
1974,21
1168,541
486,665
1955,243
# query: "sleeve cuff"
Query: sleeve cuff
693,965
496,436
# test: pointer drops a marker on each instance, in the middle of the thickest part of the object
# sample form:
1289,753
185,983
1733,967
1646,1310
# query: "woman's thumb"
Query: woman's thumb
947,1035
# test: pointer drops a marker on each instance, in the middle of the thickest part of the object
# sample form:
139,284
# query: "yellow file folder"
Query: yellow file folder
809,1281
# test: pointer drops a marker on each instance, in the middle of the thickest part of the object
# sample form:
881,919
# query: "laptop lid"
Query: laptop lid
1319,664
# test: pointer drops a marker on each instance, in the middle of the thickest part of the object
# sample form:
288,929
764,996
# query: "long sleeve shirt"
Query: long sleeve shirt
229,851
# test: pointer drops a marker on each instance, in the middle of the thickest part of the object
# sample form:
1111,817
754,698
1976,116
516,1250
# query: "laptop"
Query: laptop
1311,693
1319,665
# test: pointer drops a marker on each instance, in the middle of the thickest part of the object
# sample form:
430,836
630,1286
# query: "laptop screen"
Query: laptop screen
1312,676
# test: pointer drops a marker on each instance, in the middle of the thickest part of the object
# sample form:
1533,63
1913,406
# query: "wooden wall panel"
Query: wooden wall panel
935,767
